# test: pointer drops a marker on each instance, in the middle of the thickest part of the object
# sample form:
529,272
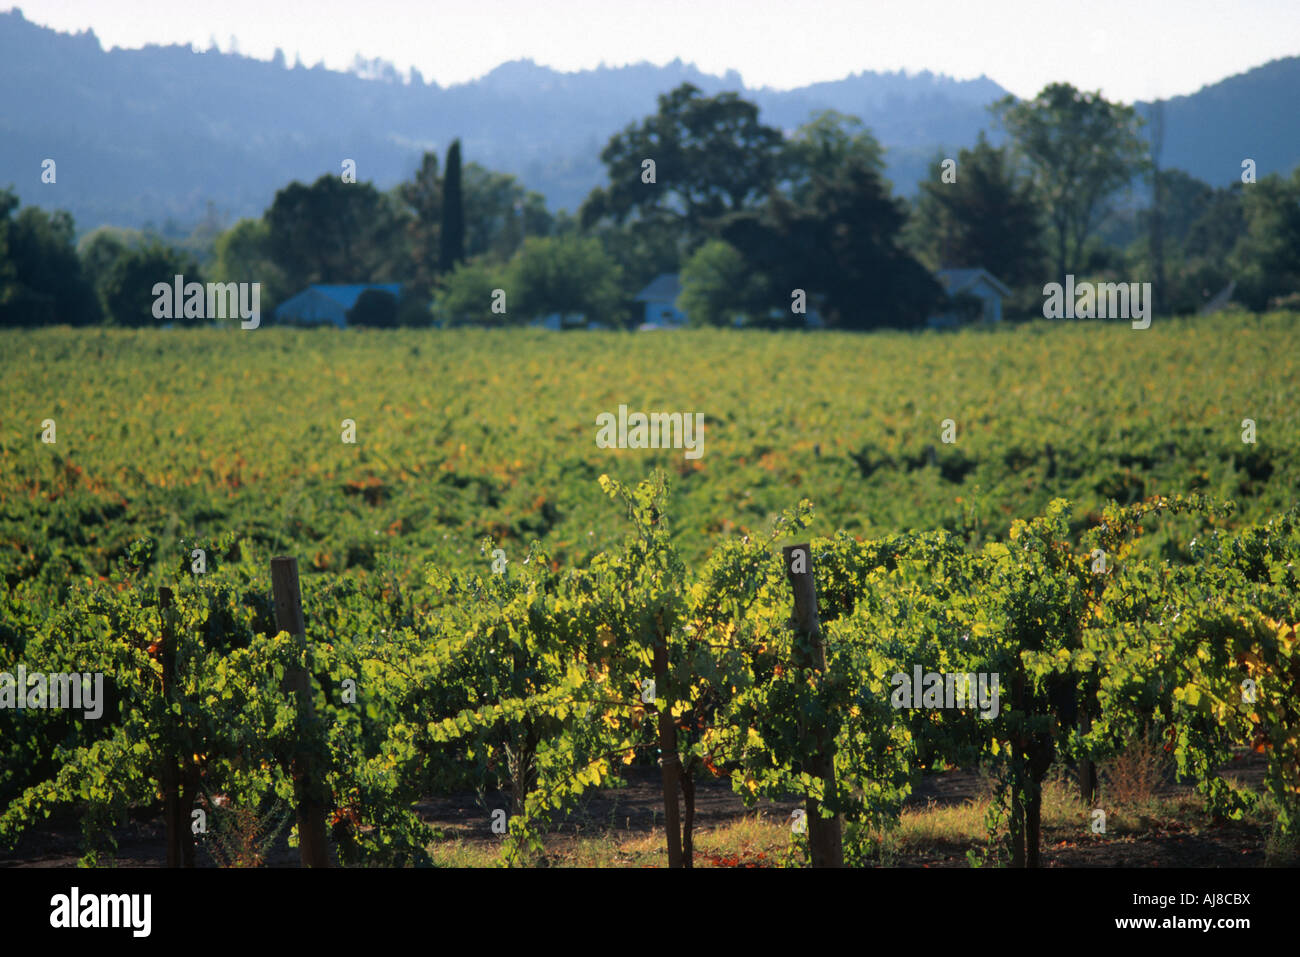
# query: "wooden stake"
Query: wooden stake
177,832
308,784
671,764
825,839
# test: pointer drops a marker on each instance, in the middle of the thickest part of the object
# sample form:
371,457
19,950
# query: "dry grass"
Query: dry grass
765,841
756,840
1133,804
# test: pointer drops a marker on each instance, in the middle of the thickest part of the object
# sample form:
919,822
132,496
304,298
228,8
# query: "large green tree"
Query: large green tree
128,288
719,287
822,146
42,281
644,248
422,197
1079,148
1199,228
983,214
564,274
243,254
711,157
100,248
1267,256
842,249
336,232
500,213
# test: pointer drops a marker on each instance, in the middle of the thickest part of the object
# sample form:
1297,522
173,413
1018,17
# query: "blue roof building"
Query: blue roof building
321,303
660,299
977,283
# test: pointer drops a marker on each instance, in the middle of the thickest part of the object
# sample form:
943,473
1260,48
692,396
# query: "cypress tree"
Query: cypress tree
451,246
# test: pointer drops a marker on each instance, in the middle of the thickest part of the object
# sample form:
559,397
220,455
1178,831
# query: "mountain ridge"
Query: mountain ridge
156,133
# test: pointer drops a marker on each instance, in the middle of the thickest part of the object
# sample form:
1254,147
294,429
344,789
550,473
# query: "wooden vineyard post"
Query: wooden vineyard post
671,763
825,840
308,783
178,833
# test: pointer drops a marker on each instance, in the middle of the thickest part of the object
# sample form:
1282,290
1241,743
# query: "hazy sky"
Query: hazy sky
1130,49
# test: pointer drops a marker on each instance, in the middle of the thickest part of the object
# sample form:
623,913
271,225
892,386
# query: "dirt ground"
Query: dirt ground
637,809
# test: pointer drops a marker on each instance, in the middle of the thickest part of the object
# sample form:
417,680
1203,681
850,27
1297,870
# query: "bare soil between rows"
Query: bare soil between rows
637,810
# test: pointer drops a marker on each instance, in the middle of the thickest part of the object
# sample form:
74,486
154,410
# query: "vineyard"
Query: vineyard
483,599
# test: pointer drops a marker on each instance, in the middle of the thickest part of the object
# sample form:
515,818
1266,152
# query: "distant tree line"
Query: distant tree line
746,214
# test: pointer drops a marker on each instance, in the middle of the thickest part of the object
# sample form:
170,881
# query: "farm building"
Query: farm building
973,285
660,299
321,303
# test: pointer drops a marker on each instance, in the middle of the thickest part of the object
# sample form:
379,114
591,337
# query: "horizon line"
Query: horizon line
406,76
